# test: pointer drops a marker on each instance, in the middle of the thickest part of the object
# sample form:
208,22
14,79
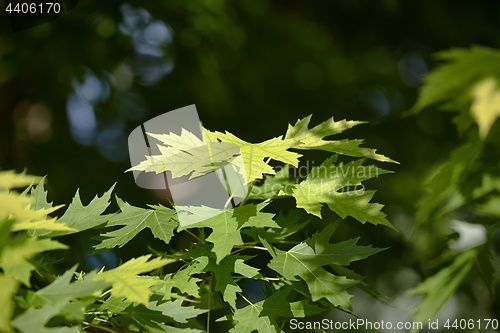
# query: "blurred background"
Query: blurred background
71,90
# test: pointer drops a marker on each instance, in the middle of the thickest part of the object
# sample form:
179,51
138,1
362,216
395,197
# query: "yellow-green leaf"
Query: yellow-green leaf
15,255
254,154
126,282
8,289
340,187
314,138
11,179
49,224
486,105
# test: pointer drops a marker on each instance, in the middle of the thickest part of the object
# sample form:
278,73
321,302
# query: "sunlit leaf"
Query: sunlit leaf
11,179
126,282
36,319
339,186
462,68
7,291
14,258
314,138
256,155
81,217
485,107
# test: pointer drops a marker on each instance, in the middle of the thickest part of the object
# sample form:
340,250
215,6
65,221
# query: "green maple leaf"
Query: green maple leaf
440,187
466,75
126,282
184,280
186,154
249,319
176,311
314,138
151,318
289,223
336,186
9,288
160,221
115,304
278,305
15,255
62,290
226,225
462,67
185,141
261,316
254,154
62,298
224,281
306,259
36,319
225,228
80,217
274,186
39,196
446,281
23,208
359,207
72,298
195,161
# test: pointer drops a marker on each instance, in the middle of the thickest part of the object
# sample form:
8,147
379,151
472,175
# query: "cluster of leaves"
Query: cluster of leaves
462,193
301,277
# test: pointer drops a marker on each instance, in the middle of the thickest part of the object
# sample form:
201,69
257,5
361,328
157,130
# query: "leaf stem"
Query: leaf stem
100,328
271,279
245,199
194,236
250,247
105,293
246,299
